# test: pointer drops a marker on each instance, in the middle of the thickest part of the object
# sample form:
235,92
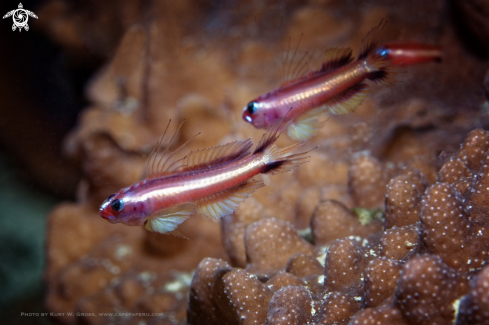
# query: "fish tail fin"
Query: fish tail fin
381,68
279,160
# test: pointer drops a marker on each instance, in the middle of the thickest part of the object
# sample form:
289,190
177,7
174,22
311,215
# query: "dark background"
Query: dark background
41,95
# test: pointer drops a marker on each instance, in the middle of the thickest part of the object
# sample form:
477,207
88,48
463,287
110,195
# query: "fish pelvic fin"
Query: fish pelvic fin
225,202
349,100
169,219
217,156
379,66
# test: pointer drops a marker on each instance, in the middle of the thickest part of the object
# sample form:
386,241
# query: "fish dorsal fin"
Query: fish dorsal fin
273,133
371,41
168,220
218,155
158,164
336,57
333,59
290,82
224,203
349,100
294,65
300,75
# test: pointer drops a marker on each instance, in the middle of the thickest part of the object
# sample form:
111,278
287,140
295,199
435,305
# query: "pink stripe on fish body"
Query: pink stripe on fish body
163,192
310,92
338,87
211,181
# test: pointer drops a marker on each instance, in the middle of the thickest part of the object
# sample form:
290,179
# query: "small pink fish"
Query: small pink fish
405,54
338,87
211,181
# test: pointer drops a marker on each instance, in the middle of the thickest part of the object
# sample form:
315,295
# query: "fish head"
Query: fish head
254,113
121,208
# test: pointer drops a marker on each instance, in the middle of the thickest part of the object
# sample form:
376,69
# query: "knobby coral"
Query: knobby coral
427,266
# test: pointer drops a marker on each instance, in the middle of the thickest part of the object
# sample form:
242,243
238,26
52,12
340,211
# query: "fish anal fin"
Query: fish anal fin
305,126
169,219
349,100
218,155
224,203
335,58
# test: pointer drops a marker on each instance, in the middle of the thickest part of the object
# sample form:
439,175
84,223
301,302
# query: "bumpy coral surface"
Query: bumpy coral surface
426,267
386,223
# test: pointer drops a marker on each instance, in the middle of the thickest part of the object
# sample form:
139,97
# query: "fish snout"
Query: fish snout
247,118
106,215
255,119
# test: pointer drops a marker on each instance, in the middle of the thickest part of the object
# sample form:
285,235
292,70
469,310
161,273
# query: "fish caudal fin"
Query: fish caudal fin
282,161
380,65
224,203
279,160
168,221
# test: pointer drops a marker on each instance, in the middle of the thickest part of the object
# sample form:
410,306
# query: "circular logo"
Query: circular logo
20,17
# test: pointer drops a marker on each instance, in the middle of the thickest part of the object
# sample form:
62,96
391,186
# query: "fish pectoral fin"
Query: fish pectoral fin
305,126
177,233
224,203
349,100
168,220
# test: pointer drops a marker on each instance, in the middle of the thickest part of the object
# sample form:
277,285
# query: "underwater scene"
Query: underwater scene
244,162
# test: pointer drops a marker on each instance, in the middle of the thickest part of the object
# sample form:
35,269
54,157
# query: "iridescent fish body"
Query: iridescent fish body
338,87
211,181
410,53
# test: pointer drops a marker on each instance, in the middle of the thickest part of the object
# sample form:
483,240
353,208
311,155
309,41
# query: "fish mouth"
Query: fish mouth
107,216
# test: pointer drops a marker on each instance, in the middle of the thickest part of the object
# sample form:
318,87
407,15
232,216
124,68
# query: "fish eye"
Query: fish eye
251,107
117,205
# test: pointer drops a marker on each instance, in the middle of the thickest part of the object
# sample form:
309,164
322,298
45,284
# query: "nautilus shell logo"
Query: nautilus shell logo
20,17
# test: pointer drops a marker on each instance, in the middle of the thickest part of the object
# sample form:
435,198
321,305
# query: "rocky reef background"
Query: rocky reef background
386,224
